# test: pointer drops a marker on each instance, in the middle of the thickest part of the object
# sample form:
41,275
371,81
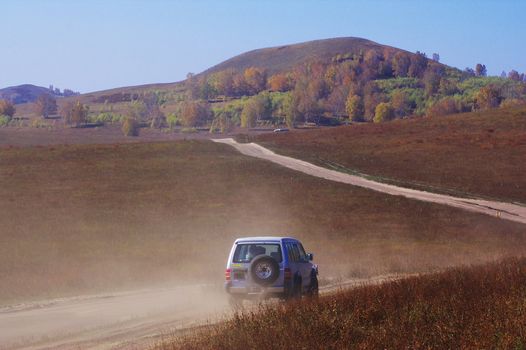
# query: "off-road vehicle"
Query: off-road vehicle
265,267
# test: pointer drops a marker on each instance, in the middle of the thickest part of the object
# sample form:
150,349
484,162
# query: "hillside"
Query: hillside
324,82
284,58
82,219
479,307
470,154
24,93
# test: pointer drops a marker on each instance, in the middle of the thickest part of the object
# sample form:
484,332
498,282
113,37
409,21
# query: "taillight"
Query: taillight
227,274
287,274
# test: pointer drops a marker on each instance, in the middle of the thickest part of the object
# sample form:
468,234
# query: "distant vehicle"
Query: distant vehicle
281,130
266,267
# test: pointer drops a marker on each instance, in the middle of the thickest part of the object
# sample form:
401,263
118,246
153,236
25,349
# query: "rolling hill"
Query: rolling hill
24,93
274,59
283,58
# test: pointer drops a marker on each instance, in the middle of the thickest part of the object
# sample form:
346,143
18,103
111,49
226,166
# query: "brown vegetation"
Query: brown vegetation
86,218
478,307
7,108
481,153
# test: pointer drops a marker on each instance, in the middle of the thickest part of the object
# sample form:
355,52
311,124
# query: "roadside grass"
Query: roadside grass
97,218
470,154
478,307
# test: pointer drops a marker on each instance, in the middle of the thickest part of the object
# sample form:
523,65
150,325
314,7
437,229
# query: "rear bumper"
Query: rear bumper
253,290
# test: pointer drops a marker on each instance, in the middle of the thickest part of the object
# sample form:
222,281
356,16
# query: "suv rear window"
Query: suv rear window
246,251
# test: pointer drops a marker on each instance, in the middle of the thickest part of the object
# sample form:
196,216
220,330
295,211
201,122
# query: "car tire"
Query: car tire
297,290
313,287
264,270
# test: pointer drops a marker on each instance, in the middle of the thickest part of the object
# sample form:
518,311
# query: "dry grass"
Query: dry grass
89,218
479,307
481,154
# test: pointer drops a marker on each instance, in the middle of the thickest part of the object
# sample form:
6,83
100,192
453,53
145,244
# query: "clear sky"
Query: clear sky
89,45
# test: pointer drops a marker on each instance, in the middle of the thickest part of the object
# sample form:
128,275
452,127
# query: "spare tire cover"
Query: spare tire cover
264,270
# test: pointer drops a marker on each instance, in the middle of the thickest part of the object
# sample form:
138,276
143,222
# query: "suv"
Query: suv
269,267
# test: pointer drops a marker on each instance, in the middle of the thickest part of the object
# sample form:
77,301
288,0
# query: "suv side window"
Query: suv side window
302,254
293,252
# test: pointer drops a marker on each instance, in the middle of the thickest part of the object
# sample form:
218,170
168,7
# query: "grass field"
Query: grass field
90,218
480,307
481,154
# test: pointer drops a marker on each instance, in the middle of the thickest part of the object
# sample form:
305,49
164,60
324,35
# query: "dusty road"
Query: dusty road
502,210
131,320
116,321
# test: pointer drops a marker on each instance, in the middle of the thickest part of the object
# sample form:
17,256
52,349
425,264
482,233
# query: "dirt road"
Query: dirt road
131,320
116,321
502,210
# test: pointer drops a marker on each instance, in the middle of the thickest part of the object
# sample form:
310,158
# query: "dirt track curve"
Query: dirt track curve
508,211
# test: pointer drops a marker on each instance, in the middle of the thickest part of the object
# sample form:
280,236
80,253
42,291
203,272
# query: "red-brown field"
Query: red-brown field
87,218
478,154
480,307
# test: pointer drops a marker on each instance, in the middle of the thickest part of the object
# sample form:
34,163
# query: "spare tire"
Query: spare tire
264,270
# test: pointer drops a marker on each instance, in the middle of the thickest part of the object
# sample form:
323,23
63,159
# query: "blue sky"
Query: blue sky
93,45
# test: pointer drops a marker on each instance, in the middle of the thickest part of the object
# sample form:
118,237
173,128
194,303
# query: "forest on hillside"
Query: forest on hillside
374,85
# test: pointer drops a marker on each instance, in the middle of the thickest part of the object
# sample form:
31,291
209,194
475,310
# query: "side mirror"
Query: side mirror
310,256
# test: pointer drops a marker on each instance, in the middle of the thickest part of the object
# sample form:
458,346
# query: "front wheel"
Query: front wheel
313,287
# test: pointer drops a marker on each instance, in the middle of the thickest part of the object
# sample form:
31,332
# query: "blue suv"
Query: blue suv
269,267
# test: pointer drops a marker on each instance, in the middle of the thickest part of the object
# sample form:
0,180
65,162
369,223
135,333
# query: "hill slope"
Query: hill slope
477,153
273,59
284,58
23,93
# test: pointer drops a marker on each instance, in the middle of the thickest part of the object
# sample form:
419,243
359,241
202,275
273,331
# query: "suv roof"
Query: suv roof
264,239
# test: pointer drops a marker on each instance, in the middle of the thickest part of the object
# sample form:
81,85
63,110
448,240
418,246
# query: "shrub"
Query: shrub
4,120
383,112
7,108
189,130
173,120
130,127
75,113
445,106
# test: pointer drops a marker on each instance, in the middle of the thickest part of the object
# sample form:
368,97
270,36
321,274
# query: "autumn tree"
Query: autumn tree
445,106
255,109
400,103
7,108
480,70
280,82
336,101
223,82
240,85
383,112
194,113
418,65
130,127
488,97
432,78
372,96
401,63
256,79
192,86
514,75
354,107
45,105
74,113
